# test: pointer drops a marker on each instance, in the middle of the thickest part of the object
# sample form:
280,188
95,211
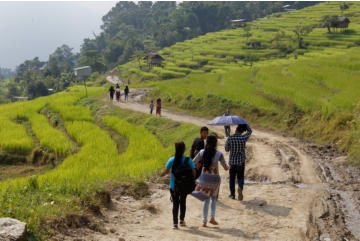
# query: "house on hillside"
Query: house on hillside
238,23
82,73
154,59
340,22
288,8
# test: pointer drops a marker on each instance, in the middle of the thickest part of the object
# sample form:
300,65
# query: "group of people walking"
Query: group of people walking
117,92
198,174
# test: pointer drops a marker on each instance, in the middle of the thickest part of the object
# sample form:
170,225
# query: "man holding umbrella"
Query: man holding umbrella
236,145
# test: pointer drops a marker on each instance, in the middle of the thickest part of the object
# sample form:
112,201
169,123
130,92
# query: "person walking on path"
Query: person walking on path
158,107
236,144
118,93
197,146
180,166
227,128
208,184
151,106
111,92
126,91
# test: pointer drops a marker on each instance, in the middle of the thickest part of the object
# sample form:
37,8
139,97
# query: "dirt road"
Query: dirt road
289,195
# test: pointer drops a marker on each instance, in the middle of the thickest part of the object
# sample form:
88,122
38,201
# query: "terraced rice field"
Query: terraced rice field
90,156
269,38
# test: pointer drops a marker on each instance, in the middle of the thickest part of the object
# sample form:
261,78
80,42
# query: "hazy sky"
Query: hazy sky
35,29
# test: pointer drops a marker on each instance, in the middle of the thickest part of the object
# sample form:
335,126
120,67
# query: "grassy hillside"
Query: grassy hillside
271,37
83,139
311,92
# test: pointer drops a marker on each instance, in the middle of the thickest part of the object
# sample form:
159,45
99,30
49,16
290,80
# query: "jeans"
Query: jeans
126,97
227,131
178,200
206,208
236,172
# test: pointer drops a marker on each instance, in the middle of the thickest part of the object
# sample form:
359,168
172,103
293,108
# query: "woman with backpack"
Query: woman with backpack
208,184
182,181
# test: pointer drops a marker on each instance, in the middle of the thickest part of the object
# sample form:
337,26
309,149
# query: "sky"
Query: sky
36,29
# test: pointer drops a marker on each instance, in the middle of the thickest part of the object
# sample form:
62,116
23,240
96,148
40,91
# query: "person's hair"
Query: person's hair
204,128
179,152
210,151
241,128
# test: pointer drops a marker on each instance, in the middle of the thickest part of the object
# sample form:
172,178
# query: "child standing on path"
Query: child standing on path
158,107
151,106
208,184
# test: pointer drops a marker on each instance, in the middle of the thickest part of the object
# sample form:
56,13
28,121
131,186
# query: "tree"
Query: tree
94,60
301,31
37,89
343,7
247,30
250,59
12,90
138,56
327,20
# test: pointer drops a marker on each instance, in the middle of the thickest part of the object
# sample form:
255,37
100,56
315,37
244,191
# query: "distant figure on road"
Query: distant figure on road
236,144
126,91
111,92
197,146
118,92
182,181
208,184
151,106
227,128
158,107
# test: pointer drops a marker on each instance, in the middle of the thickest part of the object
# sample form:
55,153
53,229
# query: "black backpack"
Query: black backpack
183,178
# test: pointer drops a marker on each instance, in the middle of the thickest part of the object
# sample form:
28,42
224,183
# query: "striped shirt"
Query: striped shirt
236,145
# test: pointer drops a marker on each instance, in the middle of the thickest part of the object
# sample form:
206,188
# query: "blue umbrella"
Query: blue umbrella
228,120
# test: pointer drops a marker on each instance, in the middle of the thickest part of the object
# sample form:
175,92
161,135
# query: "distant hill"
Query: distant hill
268,38
146,26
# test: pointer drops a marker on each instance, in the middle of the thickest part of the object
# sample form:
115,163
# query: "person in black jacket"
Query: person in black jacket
126,91
111,92
197,146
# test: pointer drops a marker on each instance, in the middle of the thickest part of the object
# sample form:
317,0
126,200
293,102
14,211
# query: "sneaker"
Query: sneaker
232,196
240,195
182,223
175,226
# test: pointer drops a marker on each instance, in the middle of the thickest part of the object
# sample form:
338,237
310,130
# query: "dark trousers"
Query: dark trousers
227,131
178,200
236,172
